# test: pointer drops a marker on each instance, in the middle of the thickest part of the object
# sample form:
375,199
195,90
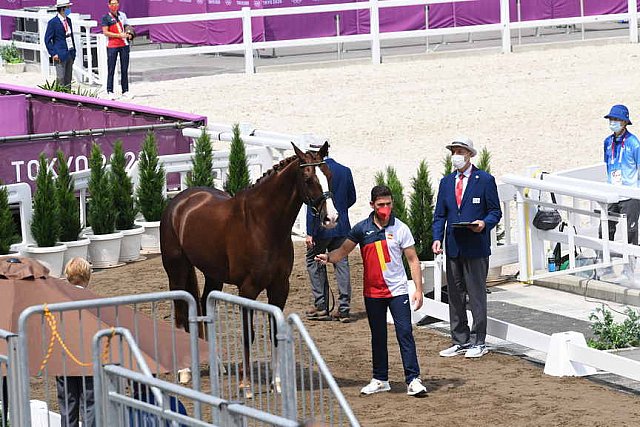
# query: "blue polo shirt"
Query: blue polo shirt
381,250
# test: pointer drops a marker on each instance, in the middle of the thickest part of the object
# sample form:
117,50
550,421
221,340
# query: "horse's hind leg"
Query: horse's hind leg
210,284
182,276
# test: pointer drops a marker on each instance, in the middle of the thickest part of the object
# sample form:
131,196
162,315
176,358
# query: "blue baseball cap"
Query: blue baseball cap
619,112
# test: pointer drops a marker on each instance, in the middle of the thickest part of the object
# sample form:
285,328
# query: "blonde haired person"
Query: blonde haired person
75,394
78,272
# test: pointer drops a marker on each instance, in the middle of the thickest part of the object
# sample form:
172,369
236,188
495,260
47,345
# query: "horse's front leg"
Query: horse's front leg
249,291
277,295
248,335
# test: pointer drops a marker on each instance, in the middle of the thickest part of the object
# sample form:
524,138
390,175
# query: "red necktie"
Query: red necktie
459,189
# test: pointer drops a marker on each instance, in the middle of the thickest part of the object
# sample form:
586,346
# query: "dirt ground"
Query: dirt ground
498,389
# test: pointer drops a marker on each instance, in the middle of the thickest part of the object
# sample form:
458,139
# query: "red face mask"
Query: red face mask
384,213
114,8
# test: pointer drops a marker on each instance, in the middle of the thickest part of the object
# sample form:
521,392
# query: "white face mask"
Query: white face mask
458,161
615,126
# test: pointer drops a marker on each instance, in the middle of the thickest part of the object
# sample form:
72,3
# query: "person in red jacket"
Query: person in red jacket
113,27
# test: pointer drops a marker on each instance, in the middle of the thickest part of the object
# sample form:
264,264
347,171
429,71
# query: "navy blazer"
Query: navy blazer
55,39
344,196
480,201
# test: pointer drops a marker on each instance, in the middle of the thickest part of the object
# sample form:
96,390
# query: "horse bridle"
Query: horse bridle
313,204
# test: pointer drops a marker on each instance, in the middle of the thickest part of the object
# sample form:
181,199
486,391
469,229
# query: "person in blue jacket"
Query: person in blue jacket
468,196
320,240
621,153
60,44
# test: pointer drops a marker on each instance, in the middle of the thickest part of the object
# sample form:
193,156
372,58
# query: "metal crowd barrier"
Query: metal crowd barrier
60,336
123,396
284,372
8,378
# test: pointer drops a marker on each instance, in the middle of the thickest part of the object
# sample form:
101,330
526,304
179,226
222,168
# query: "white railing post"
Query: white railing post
633,21
374,18
247,41
523,243
89,54
43,20
102,60
506,27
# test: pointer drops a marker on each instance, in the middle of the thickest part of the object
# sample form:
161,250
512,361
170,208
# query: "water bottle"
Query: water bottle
551,261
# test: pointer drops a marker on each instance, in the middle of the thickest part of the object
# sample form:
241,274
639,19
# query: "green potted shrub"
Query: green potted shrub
150,194
8,235
45,222
390,179
104,249
69,207
12,59
421,209
202,172
124,205
238,175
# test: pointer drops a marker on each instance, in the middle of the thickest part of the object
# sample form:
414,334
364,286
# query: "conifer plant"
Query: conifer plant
8,234
238,178
391,180
45,223
421,212
202,172
68,204
150,192
123,201
102,215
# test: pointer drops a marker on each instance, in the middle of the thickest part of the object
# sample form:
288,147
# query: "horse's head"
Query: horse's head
316,185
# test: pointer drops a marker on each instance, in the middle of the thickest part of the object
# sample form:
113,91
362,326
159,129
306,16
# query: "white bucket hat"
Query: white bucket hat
63,3
463,142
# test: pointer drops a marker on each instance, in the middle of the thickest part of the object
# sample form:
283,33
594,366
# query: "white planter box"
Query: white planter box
150,242
14,68
130,244
76,249
104,249
52,256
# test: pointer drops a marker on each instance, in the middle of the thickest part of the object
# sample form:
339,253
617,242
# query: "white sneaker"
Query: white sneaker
416,389
454,350
375,386
111,96
476,351
128,96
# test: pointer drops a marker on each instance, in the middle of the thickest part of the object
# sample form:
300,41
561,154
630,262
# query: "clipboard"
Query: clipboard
463,224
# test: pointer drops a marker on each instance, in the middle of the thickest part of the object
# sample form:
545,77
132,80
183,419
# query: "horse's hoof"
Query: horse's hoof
276,385
246,391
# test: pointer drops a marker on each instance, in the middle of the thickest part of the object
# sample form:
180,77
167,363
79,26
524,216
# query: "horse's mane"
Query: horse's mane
275,169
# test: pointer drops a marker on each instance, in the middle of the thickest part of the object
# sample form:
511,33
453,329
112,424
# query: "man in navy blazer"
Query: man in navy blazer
59,41
468,196
320,240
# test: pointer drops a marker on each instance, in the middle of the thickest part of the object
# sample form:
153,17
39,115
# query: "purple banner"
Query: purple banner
315,25
228,31
309,25
13,115
40,114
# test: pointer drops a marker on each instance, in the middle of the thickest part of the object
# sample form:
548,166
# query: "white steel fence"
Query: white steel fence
248,47
84,41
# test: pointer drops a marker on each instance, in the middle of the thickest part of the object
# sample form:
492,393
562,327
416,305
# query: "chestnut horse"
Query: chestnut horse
244,240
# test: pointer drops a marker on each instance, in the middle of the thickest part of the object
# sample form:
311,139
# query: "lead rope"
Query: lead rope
55,336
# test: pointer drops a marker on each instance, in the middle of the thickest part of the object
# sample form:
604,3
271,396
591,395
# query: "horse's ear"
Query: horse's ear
324,150
298,151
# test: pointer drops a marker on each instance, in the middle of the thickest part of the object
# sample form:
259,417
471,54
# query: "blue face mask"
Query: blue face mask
67,11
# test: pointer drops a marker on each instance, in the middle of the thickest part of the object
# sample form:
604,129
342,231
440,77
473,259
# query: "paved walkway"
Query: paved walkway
548,311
